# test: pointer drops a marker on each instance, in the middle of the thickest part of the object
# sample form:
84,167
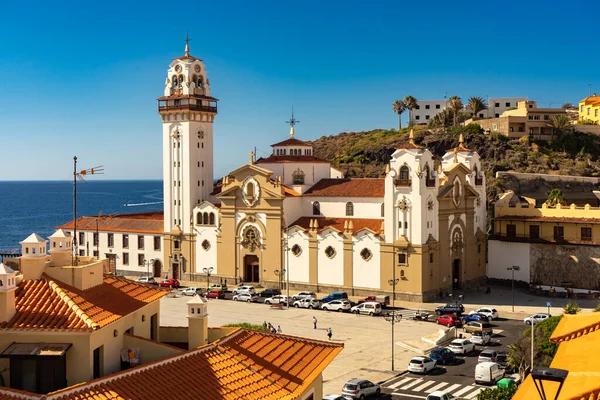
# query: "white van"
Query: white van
488,373
370,308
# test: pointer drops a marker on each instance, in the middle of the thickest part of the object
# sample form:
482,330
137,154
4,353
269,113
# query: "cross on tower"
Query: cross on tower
293,121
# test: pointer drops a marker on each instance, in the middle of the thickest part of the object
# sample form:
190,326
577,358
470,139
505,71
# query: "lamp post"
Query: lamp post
280,275
393,317
207,271
286,248
539,375
147,264
513,269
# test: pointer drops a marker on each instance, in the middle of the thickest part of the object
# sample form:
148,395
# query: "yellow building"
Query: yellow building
552,245
589,109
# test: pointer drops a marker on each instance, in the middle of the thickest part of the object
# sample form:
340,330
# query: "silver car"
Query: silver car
304,295
337,305
247,297
279,299
307,303
360,388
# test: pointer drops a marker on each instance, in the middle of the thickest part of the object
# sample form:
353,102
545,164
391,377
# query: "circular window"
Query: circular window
296,250
206,245
366,254
330,252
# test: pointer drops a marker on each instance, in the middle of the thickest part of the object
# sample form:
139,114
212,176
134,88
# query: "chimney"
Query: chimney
197,322
34,257
8,287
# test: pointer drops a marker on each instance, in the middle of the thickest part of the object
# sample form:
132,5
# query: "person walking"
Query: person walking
265,324
329,333
315,322
279,329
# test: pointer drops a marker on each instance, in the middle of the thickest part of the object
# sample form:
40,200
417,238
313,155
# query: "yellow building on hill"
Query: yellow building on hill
589,108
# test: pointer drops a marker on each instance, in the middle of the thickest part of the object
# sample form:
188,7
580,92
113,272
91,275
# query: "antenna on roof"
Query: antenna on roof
590,85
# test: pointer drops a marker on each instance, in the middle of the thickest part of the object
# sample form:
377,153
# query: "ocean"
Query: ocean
40,206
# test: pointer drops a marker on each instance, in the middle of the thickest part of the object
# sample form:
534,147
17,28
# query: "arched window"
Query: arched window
175,82
199,219
200,83
250,189
194,79
180,81
316,208
349,209
404,172
382,210
211,219
205,218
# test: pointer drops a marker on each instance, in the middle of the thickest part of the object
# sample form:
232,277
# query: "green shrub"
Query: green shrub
571,308
247,325
498,393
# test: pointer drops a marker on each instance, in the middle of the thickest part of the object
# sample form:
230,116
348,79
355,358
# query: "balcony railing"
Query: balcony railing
189,107
402,182
545,238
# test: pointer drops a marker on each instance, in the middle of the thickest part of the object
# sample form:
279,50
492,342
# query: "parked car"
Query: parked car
448,320
488,373
247,297
244,289
487,355
491,313
536,318
442,355
360,388
304,295
214,294
370,308
480,338
192,291
147,279
334,296
475,326
171,282
440,395
454,308
333,397
218,286
421,365
337,305
474,317
461,346
502,360
383,300
270,292
307,302
279,299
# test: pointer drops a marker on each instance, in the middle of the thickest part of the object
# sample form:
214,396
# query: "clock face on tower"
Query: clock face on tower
197,68
178,68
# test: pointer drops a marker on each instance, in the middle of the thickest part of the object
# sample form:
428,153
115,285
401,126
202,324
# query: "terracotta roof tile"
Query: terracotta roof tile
291,142
283,159
373,224
51,304
348,187
148,222
15,394
244,365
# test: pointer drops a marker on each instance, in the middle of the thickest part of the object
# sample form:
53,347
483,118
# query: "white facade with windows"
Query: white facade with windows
427,109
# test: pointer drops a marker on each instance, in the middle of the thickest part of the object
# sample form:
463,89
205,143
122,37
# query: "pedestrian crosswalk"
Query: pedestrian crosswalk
423,386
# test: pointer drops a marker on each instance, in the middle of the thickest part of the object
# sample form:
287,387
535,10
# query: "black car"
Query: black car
454,308
502,360
270,292
442,355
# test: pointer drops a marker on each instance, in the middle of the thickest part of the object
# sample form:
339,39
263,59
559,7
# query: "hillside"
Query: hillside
365,154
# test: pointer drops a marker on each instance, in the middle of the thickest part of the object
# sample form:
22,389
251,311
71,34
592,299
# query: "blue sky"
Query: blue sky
82,78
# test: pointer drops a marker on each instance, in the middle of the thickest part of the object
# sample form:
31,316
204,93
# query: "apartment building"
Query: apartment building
427,109
589,109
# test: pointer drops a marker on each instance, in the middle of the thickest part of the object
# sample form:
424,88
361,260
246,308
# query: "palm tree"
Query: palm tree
554,197
410,103
560,123
456,105
475,105
399,107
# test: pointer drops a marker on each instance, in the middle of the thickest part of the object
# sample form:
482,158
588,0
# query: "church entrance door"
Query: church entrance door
251,269
456,274
157,268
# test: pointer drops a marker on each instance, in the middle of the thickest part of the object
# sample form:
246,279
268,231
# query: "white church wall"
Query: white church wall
335,207
503,255
298,265
313,172
366,273
294,208
206,258
331,270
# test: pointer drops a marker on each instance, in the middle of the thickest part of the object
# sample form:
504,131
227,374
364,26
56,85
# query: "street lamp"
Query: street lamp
513,269
393,317
548,374
280,275
207,271
147,264
286,248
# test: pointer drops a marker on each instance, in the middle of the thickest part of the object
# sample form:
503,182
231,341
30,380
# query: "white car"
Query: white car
304,295
244,289
536,318
439,395
247,297
279,299
192,291
337,305
307,302
421,365
369,308
461,346
147,279
491,313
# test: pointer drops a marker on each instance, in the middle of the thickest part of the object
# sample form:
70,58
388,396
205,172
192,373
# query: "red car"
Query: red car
171,282
215,294
448,320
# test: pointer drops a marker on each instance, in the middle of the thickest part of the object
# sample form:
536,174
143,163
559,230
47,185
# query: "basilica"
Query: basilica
293,219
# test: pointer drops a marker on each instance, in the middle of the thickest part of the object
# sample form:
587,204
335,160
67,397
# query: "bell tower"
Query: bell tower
187,111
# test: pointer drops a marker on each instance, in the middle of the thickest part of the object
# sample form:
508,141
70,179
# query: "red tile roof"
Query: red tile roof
291,142
348,187
284,159
373,224
147,222
243,365
51,304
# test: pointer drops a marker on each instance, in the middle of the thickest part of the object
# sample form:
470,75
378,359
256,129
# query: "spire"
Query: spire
251,157
455,155
293,121
187,44
411,137
461,140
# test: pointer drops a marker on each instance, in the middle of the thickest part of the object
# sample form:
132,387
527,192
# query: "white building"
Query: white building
427,109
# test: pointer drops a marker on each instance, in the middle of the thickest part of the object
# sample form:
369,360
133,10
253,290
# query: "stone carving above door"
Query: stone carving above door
250,238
